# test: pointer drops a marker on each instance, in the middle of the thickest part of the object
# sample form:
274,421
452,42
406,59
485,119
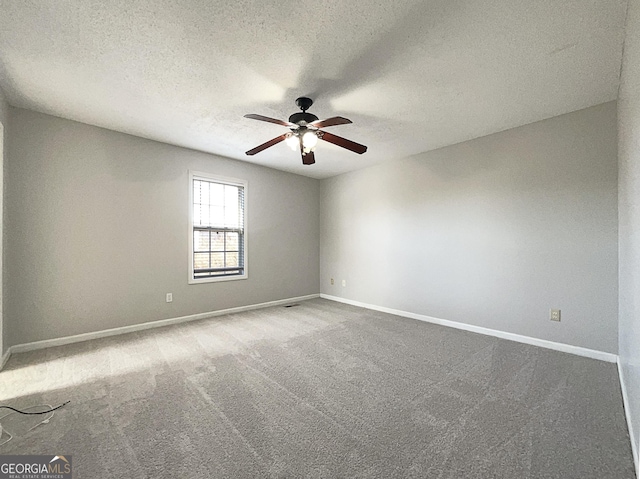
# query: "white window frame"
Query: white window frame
197,175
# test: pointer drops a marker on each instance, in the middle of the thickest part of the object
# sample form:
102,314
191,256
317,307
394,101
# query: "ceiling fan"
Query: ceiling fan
305,131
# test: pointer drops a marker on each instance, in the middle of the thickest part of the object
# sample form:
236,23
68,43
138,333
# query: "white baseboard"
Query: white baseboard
48,343
565,348
627,413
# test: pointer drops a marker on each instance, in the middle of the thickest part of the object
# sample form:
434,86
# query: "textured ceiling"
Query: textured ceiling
411,75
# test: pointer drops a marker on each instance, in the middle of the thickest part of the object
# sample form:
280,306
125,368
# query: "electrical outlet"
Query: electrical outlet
169,297
344,282
331,281
554,315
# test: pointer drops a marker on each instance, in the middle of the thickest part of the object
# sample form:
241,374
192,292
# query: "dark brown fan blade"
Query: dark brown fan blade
266,145
308,159
336,120
343,142
270,120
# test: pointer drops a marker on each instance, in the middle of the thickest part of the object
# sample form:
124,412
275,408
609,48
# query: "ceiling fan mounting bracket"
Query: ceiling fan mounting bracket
304,103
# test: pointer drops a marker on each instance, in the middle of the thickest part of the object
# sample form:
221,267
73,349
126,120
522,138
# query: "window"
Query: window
216,228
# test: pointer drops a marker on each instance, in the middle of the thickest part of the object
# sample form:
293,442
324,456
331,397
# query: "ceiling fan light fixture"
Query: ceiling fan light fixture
293,142
309,140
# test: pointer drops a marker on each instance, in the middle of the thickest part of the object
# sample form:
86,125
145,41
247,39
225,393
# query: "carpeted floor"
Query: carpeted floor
322,389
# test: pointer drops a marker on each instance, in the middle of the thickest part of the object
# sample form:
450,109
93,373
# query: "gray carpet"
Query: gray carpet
320,390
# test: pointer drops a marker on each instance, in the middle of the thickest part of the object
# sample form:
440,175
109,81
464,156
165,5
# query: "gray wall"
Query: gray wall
629,217
492,232
4,121
4,109
97,231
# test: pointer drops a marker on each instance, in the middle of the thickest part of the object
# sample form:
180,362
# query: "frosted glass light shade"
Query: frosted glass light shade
293,142
309,140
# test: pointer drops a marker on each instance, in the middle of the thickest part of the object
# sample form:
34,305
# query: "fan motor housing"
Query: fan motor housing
302,117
